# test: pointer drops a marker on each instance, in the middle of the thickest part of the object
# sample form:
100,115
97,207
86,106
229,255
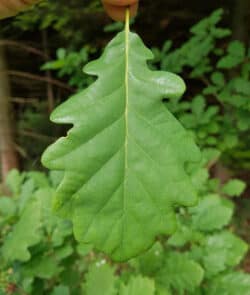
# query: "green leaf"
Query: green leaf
180,237
210,90
151,261
222,250
204,25
138,286
220,33
218,79
236,55
228,62
184,235
40,179
237,48
14,181
61,230
113,27
213,212
83,249
162,291
61,290
198,105
52,224
63,252
211,155
25,233
55,177
100,280
229,284
126,158
26,193
241,86
166,46
7,206
234,188
61,53
180,273
200,177
44,267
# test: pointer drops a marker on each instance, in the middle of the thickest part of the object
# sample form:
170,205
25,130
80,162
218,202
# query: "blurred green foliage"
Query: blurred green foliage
63,17
217,111
39,255
70,64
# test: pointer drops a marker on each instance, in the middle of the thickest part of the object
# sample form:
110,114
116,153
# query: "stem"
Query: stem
24,47
39,78
36,135
8,155
50,92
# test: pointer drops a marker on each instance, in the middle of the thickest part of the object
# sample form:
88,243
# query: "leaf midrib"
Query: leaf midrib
126,118
126,92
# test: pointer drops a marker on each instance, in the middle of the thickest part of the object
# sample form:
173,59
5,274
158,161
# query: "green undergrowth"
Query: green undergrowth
39,254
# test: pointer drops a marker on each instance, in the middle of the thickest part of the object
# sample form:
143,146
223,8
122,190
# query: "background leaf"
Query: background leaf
230,284
138,286
100,280
234,188
222,250
25,233
180,273
213,212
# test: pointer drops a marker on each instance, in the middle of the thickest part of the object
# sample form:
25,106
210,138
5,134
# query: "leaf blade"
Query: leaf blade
128,142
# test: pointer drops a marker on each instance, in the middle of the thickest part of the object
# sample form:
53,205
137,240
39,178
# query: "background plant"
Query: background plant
206,251
40,256
218,110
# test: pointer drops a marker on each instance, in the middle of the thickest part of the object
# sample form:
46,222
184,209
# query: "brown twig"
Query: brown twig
24,47
21,151
40,78
24,100
37,135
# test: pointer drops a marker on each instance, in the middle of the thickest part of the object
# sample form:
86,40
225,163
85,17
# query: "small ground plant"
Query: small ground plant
39,254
